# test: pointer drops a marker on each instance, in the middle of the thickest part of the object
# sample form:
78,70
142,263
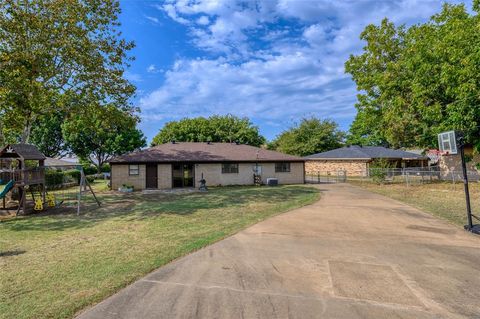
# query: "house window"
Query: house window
228,168
133,170
282,167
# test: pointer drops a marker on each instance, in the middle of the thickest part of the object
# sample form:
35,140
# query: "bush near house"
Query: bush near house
378,170
53,178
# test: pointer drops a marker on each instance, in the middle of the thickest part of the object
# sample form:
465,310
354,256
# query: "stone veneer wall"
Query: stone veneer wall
352,167
453,163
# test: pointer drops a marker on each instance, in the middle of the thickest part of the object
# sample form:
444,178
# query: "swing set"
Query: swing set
23,172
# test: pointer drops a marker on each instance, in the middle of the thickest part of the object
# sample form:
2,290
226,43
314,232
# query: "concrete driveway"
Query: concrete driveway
353,254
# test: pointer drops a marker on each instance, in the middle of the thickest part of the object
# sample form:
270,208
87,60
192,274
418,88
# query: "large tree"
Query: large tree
47,135
98,133
416,82
310,136
215,128
49,48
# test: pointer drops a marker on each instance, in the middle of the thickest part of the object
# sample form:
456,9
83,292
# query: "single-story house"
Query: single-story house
355,160
51,161
182,164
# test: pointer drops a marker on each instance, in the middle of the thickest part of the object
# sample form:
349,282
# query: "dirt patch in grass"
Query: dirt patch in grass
55,264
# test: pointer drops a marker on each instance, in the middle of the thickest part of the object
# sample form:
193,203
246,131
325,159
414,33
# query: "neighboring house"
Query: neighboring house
355,160
50,161
71,158
182,164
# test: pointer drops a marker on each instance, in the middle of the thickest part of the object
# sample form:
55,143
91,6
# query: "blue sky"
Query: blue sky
274,61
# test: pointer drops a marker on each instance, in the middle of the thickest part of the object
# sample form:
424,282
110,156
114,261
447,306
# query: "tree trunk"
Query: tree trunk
99,164
2,136
26,133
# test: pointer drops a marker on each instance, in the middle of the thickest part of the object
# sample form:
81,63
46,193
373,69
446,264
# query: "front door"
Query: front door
152,176
183,175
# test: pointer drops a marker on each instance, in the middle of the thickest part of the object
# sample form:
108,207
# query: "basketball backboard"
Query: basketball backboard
447,142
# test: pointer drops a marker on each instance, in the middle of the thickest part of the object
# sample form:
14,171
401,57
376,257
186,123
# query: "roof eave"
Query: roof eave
207,161
337,159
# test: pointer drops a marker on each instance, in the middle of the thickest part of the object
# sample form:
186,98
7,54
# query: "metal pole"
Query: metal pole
465,185
453,181
82,181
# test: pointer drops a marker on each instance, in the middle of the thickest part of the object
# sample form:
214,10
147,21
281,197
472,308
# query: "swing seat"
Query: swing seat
51,200
38,205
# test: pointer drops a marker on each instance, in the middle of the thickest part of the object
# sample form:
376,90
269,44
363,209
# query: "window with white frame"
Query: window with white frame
133,169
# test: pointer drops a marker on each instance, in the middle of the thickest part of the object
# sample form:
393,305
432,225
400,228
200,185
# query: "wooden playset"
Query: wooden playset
23,171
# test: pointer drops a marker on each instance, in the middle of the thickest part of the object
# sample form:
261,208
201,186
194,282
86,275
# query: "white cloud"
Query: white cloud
134,77
266,70
152,19
281,87
315,34
172,13
152,68
203,20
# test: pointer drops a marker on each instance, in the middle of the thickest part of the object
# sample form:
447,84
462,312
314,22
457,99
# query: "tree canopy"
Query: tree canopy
102,133
47,135
54,51
215,128
310,136
419,81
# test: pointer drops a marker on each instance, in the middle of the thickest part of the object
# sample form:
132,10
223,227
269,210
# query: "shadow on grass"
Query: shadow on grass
11,253
136,206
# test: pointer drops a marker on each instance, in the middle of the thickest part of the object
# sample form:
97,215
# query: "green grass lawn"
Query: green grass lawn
53,265
443,199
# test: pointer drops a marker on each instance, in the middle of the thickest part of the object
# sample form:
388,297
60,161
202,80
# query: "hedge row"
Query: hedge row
55,178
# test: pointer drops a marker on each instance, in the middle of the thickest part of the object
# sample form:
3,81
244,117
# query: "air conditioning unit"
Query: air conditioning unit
272,181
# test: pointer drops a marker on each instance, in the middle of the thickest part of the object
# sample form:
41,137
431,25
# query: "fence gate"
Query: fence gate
320,177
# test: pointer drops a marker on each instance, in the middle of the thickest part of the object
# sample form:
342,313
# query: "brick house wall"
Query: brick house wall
214,176
164,175
120,176
295,176
212,173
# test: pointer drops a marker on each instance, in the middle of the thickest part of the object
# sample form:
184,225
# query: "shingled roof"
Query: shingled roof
204,152
24,151
365,153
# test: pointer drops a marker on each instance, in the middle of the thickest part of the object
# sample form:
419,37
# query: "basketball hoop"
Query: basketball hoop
450,142
447,142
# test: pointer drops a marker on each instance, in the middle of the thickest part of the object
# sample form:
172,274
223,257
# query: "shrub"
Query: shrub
105,168
54,178
89,170
75,174
378,170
